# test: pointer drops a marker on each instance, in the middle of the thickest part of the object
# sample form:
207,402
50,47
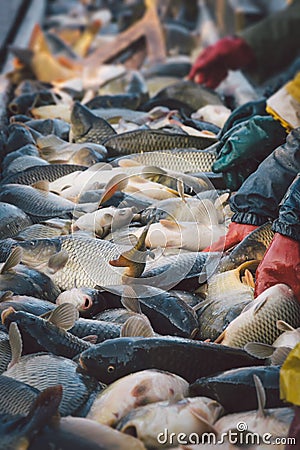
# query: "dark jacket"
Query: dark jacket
259,198
274,41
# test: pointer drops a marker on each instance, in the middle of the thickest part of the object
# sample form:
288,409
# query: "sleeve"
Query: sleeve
259,197
274,41
288,222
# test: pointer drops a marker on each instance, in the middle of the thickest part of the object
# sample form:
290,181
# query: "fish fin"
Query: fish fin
7,295
16,344
220,338
261,395
117,183
180,189
58,261
130,301
64,316
137,326
221,200
129,239
280,355
128,163
284,326
46,315
207,213
49,141
259,305
248,279
169,224
259,350
13,260
42,185
44,409
100,166
253,264
197,414
194,333
134,259
91,338
24,55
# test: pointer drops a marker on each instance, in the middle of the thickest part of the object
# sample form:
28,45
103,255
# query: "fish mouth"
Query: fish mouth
88,303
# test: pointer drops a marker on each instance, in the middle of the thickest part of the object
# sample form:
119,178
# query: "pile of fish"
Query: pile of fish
118,329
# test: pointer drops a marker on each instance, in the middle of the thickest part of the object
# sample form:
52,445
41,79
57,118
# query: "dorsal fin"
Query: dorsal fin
137,326
13,260
117,183
259,350
284,326
16,344
261,396
64,316
130,301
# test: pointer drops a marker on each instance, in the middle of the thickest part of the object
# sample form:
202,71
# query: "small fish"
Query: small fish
231,386
104,221
216,114
38,202
53,149
152,140
85,261
190,415
50,334
22,280
257,323
25,303
141,388
226,296
252,247
116,358
49,173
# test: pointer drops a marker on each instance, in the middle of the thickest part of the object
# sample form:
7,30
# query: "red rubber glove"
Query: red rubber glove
236,233
212,65
281,264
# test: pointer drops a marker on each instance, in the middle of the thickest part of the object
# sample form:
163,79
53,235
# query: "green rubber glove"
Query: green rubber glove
251,140
243,113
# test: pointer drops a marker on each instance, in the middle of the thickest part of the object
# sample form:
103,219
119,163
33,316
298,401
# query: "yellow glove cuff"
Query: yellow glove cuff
276,116
293,87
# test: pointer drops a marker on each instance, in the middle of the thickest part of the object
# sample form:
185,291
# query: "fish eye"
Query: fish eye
110,369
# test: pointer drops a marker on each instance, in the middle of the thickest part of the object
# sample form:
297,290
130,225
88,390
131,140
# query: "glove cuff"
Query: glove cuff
289,230
249,219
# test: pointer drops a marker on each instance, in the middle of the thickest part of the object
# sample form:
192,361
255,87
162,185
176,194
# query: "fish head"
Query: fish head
88,301
109,360
87,157
38,251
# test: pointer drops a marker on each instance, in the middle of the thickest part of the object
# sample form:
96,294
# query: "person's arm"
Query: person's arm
274,41
281,263
257,201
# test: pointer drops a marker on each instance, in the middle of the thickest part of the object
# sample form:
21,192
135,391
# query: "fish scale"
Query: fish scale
16,397
88,263
43,370
49,172
149,140
181,160
260,325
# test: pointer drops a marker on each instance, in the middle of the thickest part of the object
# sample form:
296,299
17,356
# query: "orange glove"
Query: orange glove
212,65
236,233
281,264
